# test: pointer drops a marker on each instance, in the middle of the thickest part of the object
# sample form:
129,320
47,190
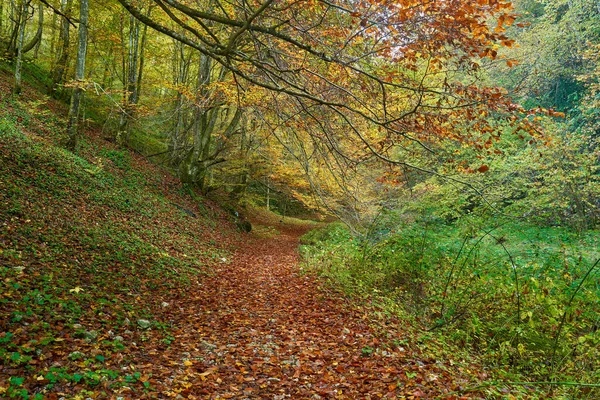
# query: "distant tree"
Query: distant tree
76,97
61,58
553,36
19,28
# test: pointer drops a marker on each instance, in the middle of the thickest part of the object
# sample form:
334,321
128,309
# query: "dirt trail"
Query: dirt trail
264,331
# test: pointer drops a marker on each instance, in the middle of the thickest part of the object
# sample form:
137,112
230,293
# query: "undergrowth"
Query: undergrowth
92,257
525,298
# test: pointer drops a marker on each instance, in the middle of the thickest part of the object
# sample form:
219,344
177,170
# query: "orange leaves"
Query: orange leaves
504,20
545,111
508,43
487,52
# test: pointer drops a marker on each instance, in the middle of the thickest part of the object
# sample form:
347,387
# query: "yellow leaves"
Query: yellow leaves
76,289
186,385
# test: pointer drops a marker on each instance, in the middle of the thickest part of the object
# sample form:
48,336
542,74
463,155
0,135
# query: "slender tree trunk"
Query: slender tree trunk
72,125
53,39
142,53
132,71
268,198
195,166
178,134
15,23
38,44
62,57
205,126
21,37
1,18
176,139
109,65
132,59
244,150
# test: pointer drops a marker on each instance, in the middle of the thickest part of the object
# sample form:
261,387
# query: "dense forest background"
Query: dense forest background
457,141
217,128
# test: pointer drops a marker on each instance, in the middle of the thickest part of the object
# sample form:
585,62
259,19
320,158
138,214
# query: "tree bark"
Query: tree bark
141,64
18,87
1,18
14,22
72,124
132,71
62,56
178,133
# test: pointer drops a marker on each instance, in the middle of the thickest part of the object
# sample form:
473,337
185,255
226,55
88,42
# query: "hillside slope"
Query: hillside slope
92,245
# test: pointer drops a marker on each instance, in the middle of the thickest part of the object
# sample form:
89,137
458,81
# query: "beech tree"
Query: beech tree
61,60
391,75
76,97
20,37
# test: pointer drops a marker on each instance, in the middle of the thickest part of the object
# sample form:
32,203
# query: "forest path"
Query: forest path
261,330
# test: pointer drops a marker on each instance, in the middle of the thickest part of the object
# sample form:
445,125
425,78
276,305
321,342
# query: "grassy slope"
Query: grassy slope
90,243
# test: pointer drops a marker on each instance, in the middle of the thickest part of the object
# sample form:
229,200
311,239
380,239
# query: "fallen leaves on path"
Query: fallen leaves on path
259,329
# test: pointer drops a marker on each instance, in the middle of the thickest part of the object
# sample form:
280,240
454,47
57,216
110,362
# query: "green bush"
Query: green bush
526,298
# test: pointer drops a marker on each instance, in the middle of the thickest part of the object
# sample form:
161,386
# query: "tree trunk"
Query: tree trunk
21,37
178,133
72,124
132,71
62,56
141,64
15,23
241,179
189,170
38,44
53,38
1,18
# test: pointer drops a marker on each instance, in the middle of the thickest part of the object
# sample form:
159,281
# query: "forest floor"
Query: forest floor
116,282
263,330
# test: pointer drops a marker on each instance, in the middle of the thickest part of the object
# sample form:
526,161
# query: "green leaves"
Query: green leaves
458,280
16,381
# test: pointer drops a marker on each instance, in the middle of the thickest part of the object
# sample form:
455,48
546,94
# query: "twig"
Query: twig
56,11
564,316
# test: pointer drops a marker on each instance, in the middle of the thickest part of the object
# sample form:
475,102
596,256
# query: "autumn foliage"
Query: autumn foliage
362,78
